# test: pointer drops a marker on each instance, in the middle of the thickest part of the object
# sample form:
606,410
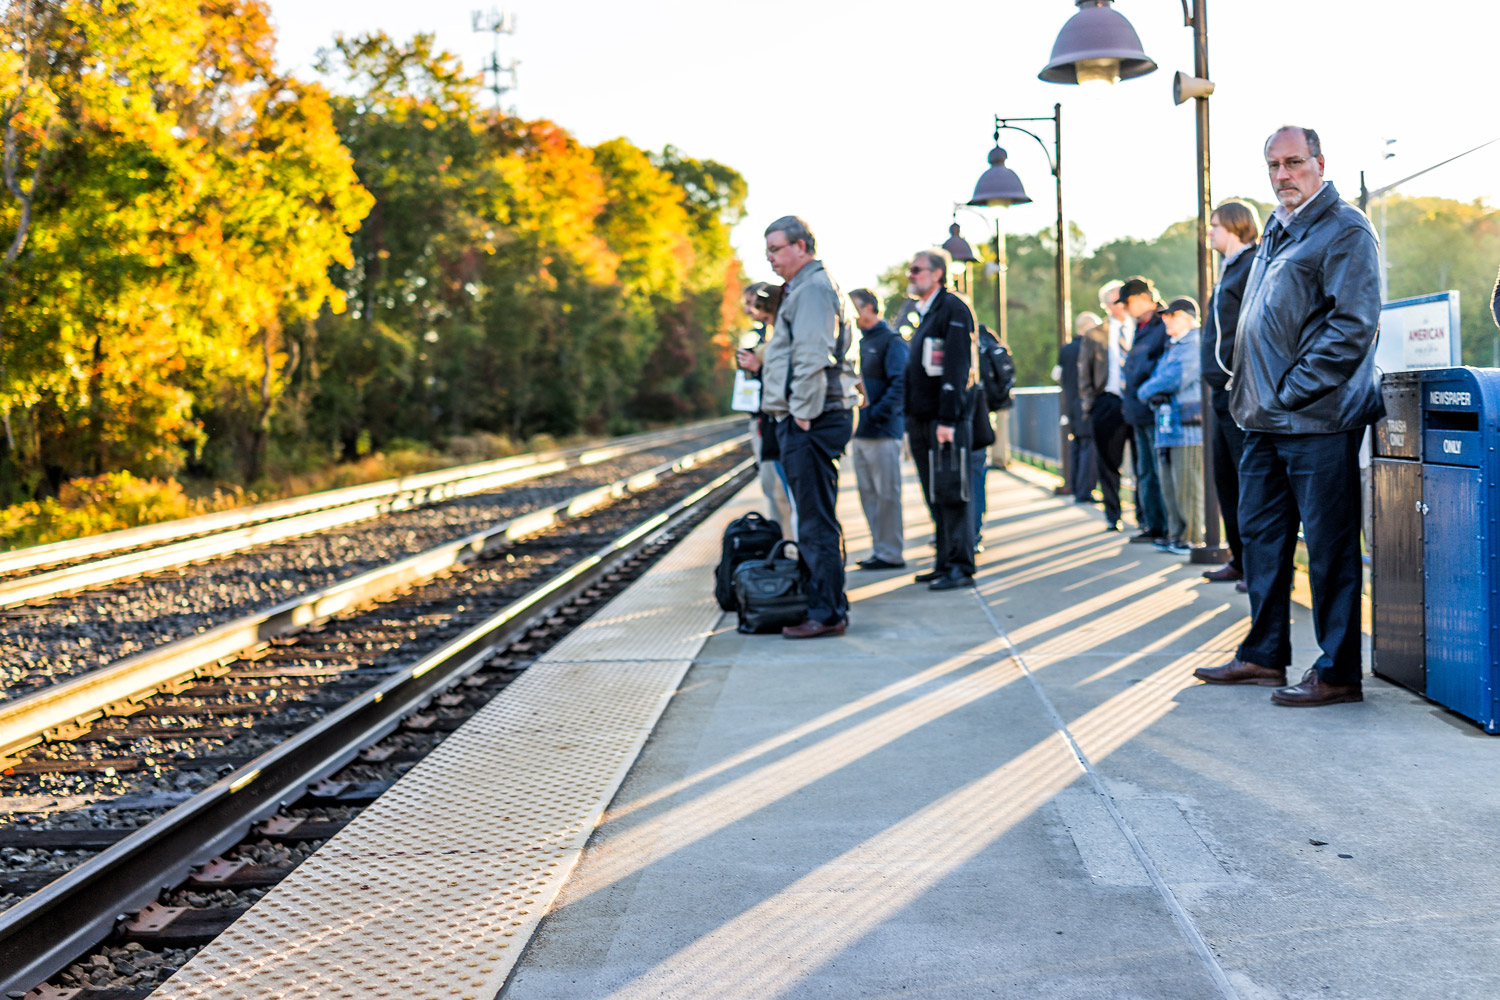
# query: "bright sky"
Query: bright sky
870,120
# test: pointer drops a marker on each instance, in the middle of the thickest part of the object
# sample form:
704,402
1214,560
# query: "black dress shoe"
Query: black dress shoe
1224,574
813,629
1112,526
1238,671
1315,692
952,580
1148,536
930,575
876,563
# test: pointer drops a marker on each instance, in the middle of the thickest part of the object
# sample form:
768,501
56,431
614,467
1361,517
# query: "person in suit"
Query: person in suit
1080,432
1101,380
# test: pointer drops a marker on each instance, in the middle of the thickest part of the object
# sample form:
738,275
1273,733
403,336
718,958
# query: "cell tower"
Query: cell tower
498,23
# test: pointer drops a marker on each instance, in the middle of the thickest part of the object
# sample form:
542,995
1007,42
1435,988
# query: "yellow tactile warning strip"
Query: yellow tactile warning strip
433,891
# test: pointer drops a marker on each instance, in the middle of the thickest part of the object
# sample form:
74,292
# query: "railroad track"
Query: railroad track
44,571
60,637
285,743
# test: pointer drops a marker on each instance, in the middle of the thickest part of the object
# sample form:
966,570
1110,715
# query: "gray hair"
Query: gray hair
865,297
1314,144
1106,288
794,228
939,260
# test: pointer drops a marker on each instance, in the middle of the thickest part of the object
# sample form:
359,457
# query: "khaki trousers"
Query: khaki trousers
877,470
1181,473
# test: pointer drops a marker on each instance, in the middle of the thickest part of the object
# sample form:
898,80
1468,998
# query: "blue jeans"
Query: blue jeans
979,466
1150,509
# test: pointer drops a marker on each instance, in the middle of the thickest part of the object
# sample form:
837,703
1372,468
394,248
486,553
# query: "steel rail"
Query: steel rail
62,710
227,531
42,933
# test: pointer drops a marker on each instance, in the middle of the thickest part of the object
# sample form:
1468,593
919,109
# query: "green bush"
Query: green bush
97,504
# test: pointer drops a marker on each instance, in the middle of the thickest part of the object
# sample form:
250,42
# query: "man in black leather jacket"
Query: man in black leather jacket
940,384
1304,390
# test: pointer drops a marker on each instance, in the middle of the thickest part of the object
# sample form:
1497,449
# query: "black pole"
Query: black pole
1213,550
1064,292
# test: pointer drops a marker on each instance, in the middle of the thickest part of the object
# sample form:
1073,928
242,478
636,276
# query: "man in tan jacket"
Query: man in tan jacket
807,387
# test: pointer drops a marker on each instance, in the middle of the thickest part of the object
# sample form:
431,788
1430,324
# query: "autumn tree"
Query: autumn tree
186,203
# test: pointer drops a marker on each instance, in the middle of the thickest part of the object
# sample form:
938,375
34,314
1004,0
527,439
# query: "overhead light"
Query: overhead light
1096,45
999,185
1106,71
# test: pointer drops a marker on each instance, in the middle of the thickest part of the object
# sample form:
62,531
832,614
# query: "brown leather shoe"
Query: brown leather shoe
1237,671
1313,692
812,629
1224,574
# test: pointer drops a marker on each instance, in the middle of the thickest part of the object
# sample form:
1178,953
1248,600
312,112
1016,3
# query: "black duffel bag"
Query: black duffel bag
745,538
771,593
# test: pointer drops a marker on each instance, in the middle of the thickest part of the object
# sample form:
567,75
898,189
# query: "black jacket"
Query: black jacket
1093,367
1072,405
882,369
1223,319
943,397
1495,302
1304,358
1146,349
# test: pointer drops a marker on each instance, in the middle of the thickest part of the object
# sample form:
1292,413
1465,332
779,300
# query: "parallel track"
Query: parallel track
43,932
102,559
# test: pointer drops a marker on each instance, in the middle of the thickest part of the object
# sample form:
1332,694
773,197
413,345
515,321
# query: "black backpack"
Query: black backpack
771,593
748,537
996,370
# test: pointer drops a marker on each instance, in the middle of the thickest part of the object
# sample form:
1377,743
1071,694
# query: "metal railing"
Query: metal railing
1034,425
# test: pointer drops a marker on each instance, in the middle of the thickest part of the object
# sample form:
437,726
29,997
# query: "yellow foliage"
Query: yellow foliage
110,502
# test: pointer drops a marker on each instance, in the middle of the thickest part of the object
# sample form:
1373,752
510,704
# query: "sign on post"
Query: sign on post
1419,332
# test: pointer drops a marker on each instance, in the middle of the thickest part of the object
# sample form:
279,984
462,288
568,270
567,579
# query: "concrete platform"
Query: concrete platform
1020,792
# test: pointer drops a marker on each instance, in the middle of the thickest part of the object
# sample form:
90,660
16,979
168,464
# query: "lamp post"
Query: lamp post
959,249
1099,44
997,188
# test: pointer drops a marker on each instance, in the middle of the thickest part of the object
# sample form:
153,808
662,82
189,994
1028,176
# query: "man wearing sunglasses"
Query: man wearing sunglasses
808,387
1304,391
940,391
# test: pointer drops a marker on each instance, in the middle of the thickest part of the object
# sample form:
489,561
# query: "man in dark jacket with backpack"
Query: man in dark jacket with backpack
1149,344
877,440
940,380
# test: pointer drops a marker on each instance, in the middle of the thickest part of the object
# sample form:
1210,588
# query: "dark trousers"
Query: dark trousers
810,460
952,521
1110,434
1312,479
1229,445
1085,475
1150,508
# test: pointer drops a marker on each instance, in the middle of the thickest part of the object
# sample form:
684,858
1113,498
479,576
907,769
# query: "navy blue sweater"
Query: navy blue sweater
1147,348
882,368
